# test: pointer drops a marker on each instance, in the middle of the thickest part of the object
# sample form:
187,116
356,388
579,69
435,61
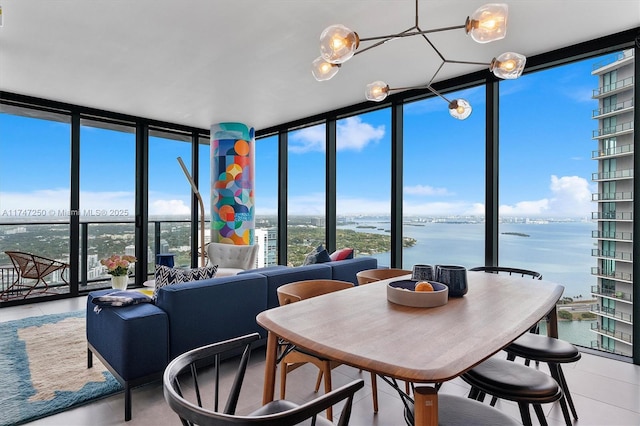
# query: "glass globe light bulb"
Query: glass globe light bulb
508,66
377,91
488,23
338,44
323,70
460,109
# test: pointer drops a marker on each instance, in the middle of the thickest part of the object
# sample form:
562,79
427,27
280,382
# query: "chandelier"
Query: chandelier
488,23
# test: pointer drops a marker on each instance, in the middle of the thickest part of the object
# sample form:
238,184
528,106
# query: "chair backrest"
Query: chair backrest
299,290
372,275
507,270
183,392
232,256
33,266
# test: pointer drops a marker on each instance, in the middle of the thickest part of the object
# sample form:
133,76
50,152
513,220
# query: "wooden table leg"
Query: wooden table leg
270,368
426,406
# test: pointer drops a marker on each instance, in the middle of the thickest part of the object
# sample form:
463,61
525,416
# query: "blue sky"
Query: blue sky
545,159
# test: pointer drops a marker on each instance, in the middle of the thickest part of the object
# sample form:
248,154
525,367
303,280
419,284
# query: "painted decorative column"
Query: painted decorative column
232,181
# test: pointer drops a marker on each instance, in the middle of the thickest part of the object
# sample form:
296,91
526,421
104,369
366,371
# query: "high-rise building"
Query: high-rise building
614,215
267,238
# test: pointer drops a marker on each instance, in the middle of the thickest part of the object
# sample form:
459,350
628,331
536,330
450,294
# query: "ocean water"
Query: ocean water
560,251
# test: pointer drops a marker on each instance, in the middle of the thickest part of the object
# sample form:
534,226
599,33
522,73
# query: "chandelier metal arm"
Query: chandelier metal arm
412,33
380,43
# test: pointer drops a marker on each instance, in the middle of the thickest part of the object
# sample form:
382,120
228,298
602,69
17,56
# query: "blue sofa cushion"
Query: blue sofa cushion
319,255
209,311
346,270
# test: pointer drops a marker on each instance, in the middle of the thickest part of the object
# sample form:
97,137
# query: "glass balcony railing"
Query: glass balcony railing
613,294
621,276
617,255
626,216
610,59
611,109
616,174
627,83
624,236
611,313
612,196
596,345
613,130
610,152
619,335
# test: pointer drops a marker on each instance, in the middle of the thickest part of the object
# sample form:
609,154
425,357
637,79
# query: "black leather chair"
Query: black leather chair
539,348
184,396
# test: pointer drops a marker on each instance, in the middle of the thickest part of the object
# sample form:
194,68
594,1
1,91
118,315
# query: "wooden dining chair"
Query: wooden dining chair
292,357
372,275
184,382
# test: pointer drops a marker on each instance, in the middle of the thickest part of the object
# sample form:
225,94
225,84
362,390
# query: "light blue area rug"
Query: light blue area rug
43,368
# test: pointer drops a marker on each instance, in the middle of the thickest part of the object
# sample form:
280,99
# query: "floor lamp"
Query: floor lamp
197,194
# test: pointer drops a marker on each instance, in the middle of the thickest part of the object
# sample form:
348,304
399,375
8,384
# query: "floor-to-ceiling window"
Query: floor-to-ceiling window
363,184
34,190
266,200
107,192
306,192
443,210
170,196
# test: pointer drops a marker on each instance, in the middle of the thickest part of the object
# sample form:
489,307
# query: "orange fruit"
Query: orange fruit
423,286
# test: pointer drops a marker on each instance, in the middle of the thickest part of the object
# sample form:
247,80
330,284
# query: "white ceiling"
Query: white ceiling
198,62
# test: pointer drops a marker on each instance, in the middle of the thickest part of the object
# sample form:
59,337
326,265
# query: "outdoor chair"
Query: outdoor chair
31,270
292,357
185,376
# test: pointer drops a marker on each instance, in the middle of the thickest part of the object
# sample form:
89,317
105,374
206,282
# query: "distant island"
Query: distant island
519,234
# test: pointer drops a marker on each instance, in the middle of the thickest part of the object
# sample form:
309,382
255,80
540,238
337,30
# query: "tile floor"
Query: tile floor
606,392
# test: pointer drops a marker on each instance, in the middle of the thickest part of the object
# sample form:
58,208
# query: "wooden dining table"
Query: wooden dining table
361,328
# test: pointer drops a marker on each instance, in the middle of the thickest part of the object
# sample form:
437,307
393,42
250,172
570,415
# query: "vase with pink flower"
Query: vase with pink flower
118,267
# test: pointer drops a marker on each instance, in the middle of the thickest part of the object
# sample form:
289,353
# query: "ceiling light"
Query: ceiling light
488,23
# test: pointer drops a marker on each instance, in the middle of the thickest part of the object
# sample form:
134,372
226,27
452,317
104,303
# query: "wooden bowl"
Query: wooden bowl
402,293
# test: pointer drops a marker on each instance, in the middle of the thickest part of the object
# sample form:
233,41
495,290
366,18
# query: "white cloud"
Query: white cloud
570,197
352,133
425,190
169,207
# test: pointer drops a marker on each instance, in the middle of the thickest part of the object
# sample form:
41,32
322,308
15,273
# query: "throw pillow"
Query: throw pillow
120,298
169,276
319,255
342,254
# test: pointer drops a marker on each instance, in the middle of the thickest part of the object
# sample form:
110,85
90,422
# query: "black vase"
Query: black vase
455,277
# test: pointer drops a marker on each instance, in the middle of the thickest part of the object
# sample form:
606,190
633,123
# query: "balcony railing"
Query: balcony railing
619,335
627,83
610,152
613,130
624,236
621,276
609,110
619,295
616,174
596,345
617,255
612,196
610,59
627,216
611,313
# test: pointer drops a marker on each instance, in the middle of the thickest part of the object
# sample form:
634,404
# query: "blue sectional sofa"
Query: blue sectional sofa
137,342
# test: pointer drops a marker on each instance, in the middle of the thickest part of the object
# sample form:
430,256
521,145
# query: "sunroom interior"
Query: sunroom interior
97,99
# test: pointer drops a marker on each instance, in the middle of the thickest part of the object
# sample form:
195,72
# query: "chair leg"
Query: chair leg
494,399
567,394
541,418
283,379
326,366
524,413
555,373
374,391
318,380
